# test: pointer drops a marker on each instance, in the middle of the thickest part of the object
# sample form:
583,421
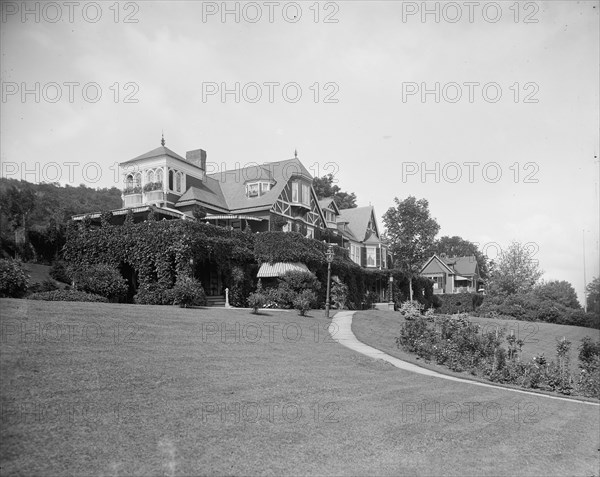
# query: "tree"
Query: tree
593,295
324,187
514,271
458,247
411,231
558,291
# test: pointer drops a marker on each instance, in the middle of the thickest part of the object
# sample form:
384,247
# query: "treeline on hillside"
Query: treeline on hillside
33,217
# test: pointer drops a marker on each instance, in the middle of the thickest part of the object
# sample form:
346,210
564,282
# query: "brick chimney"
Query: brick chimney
197,157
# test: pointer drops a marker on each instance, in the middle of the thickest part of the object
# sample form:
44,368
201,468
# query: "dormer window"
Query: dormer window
257,188
300,193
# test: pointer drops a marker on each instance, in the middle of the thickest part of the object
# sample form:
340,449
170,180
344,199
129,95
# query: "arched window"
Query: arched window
159,176
138,179
178,182
129,181
170,179
150,177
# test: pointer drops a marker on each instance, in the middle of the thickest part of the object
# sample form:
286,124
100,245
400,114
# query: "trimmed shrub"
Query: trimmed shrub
153,294
13,279
188,292
533,307
304,301
256,300
291,285
101,279
67,295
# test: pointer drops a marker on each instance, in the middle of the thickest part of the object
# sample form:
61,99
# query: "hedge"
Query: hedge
452,303
67,295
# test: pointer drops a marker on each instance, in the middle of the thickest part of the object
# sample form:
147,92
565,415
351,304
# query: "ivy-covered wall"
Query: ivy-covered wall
158,252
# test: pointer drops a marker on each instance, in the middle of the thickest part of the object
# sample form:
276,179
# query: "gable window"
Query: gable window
294,192
305,194
264,187
371,257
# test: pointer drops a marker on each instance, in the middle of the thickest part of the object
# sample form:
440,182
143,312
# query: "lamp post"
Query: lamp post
329,255
391,302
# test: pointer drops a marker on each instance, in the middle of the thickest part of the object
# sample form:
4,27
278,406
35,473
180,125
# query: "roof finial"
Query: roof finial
295,153
162,140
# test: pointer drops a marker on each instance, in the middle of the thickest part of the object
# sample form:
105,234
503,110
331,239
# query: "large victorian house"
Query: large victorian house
264,197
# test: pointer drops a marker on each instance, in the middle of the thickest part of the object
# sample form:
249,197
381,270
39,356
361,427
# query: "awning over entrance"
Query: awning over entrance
279,269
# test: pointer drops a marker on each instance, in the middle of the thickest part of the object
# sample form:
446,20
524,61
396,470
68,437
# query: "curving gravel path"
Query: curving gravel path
341,331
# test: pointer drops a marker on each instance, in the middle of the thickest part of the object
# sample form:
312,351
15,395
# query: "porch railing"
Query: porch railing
131,200
154,196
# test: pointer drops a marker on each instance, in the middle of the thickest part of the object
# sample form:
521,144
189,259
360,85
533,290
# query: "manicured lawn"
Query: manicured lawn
108,389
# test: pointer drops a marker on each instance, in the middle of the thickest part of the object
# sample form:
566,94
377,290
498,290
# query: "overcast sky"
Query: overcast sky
488,110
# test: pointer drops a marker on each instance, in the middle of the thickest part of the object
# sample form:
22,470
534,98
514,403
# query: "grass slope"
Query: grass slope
380,329
110,389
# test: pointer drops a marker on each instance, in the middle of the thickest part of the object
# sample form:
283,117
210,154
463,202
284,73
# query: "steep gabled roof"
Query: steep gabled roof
329,203
443,265
358,220
159,151
462,265
233,182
